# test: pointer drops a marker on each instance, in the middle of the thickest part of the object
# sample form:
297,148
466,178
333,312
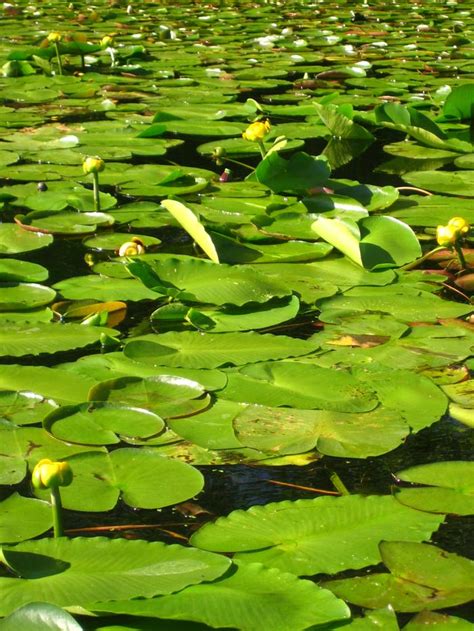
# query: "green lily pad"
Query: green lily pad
142,477
312,536
24,408
165,395
190,349
18,340
128,569
101,424
23,518
450,487
22,296
65,222
40,617
14,271
423,577
293,384
15,240
196,280
249,597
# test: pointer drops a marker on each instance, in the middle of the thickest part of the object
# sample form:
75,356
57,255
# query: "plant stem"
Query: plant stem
56,507
95,177
460,253
261,146
423,258
58,57
242,164
338,484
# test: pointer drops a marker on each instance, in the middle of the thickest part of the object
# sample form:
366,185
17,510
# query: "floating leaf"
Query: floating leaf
190,349
23,518
14,240
101,424
450,487
165,395
423,577
40,617
312,536
61,571
249,597
300,173
18,340
195,280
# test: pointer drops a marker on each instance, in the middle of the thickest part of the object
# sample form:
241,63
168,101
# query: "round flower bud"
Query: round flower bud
93,165
54,37
459,224
106,41
48,474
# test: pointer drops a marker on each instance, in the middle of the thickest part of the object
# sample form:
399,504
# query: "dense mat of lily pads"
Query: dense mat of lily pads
234,233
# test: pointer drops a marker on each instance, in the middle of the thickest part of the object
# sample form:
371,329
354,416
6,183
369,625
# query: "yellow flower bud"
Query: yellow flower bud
93,165
106,41
257,131
446,236
459,224
132,248
48,474
54,37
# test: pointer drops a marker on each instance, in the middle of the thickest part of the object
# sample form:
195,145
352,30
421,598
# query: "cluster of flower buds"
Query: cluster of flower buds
454,231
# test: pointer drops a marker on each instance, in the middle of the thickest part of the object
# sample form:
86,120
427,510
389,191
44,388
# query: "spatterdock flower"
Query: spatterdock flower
48,474
54,37
446,236
132,248
93,165
257,131
459,224
106,41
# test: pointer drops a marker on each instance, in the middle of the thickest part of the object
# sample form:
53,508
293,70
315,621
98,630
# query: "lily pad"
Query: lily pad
250,596
15,240
312,536
450,487
127,569
101,424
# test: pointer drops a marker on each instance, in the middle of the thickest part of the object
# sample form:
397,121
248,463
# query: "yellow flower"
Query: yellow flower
132,248
257,131
93,165
446,235
48,474
54,37
459,225
106,41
